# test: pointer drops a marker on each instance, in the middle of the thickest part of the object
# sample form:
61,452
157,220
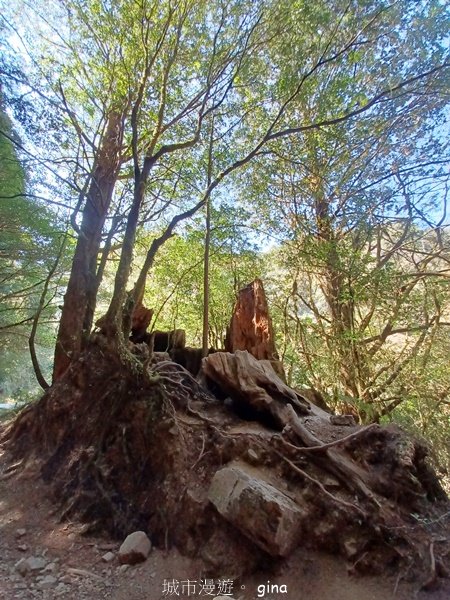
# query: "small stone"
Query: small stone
123,568
252,455
108,557
22,567
36,563
21,585
47,582
135,548
351,547
343,420
51,567
22,547
85,529
72,536
331,482
21,532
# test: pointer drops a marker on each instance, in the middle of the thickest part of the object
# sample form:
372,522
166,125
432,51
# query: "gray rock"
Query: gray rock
21,532
263,513
47,582
108,557
21,585
51,567
252,455
135,548
22,547
22,567
351,547
36,563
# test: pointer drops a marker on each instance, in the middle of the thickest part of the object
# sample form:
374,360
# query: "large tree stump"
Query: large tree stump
232,478
251,326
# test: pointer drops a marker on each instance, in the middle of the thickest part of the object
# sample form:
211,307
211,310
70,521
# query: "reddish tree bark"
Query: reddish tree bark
140,319
251,326
80,298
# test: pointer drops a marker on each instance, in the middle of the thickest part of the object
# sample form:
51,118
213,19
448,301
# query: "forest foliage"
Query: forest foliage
305,144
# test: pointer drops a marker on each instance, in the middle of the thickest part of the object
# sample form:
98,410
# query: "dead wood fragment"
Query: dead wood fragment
84,573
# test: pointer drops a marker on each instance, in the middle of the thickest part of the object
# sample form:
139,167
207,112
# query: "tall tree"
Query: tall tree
355,200
158,72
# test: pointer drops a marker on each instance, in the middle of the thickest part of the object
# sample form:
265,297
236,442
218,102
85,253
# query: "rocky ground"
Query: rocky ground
45,559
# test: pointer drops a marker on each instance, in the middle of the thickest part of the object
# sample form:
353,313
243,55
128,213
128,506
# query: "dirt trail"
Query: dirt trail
74,568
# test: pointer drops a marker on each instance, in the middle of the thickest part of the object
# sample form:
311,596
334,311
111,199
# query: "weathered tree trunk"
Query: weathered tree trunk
251,326
80,298
113,325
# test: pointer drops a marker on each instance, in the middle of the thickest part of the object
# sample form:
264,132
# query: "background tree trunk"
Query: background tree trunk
80,298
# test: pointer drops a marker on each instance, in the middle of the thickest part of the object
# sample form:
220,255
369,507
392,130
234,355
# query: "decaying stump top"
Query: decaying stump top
251,326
